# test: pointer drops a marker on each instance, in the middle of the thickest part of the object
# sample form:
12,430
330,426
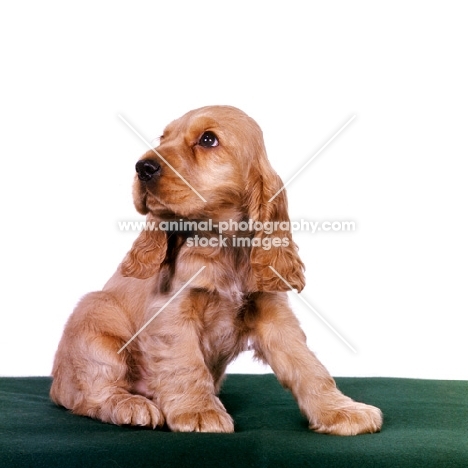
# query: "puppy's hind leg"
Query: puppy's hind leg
90,377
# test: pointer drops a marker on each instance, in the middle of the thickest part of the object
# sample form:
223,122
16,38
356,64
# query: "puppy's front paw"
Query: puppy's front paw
348,418
211,420
135,410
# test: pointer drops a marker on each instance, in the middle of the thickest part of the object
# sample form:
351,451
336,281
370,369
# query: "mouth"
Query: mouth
153,203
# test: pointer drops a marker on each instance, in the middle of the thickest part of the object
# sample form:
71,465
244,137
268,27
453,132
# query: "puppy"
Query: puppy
152,347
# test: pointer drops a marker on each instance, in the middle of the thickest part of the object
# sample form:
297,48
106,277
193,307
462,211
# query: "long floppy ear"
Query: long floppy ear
273,245
146,255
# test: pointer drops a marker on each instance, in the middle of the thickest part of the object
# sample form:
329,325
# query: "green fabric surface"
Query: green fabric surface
426,425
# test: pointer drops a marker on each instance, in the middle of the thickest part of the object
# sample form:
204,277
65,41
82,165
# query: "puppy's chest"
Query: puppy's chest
222,331
225,270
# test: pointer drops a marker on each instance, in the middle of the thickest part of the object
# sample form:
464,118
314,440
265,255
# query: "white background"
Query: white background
396,288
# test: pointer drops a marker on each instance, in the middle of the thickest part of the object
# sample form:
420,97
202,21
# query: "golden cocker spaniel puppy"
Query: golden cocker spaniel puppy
152,346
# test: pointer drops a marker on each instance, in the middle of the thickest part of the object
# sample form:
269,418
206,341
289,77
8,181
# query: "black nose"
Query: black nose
147,169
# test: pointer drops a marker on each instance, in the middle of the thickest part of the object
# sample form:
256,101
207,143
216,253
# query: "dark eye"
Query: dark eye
208,140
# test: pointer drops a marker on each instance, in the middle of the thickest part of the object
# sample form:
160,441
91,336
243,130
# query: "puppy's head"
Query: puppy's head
211,164
197,170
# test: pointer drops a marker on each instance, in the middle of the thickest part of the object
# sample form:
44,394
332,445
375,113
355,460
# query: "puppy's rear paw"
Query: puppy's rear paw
349,419
205,421
134,410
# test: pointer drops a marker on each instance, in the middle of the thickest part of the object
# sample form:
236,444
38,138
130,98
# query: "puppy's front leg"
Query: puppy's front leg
178,377
279,340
